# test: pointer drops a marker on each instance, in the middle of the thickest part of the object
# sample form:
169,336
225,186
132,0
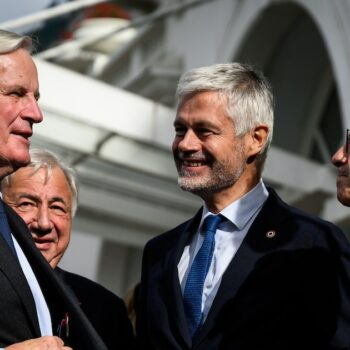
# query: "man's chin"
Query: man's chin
190,184
205,185
344,197
19,164
201,189
21,159
17,161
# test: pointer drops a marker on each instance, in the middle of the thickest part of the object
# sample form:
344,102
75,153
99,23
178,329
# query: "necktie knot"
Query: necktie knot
212,222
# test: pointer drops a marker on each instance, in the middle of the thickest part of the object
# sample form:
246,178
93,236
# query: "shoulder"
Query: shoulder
169,239
302,223
88,290
105,310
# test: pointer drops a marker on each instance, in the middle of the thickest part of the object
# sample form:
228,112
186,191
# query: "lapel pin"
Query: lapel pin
270,234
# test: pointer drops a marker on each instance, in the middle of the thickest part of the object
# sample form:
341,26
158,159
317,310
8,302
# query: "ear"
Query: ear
257,139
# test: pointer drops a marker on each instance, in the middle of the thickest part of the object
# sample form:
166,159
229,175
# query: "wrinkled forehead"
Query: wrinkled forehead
19,56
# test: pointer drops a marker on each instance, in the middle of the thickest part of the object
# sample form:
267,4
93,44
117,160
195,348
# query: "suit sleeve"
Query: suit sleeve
339,248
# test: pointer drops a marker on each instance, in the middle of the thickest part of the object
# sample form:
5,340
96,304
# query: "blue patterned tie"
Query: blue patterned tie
5,228
198,272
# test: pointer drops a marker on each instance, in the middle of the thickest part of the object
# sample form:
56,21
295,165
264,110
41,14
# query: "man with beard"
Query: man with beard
247,271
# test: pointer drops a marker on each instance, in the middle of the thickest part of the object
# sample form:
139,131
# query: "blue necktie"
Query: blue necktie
5,228
198,272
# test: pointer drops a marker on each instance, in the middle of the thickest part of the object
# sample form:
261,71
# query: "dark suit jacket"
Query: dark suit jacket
289,291
18,317
105,310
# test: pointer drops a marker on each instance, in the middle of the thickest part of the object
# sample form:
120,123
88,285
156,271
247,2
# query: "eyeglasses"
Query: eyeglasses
347,143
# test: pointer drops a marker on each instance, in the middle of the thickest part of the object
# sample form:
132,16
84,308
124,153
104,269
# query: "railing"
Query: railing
79,4
48,14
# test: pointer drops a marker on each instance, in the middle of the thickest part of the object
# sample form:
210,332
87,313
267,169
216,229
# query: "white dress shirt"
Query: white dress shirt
240,215
40,302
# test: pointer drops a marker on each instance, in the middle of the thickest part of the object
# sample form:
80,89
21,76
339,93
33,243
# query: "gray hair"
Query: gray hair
247,92
44,159
10,42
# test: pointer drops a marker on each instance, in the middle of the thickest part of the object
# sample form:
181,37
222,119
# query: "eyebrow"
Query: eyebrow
199,124
14,87
28,195
20,88
58,199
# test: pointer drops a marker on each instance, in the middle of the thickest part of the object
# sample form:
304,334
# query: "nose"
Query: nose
189,142
31,110
44,224
340,157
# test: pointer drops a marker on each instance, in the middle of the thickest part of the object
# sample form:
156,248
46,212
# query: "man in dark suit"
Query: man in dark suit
247,271
31,295
44,193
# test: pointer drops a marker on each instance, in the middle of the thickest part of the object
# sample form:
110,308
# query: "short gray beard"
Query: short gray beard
219,180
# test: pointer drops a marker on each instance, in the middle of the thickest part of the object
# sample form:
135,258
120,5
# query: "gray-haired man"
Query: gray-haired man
45,195
247,271
30,293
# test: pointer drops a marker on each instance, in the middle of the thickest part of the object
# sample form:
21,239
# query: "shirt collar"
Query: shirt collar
241,210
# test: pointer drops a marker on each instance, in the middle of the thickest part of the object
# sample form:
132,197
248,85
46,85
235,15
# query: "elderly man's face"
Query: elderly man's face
45,204
19,92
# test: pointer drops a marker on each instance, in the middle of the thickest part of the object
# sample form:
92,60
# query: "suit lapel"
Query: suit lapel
62,276
11,268
257,243
51,284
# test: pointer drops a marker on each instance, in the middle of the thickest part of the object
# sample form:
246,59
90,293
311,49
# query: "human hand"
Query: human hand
42,343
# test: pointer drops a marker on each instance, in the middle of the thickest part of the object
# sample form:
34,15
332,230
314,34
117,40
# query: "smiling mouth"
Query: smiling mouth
43,244
193,163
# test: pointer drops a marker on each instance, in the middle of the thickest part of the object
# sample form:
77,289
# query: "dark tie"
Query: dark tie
5,228
198,272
